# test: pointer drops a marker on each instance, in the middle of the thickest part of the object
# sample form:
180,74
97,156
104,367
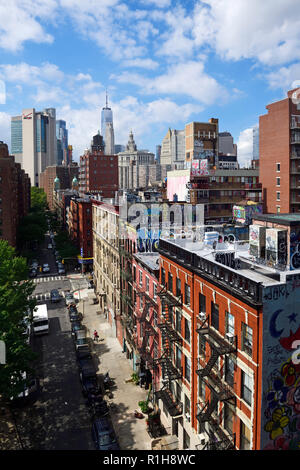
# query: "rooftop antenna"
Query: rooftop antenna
106,99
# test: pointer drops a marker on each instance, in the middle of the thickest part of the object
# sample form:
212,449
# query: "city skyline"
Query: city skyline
163,63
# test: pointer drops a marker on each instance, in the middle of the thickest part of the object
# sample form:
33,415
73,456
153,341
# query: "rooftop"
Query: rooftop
283,219
150,260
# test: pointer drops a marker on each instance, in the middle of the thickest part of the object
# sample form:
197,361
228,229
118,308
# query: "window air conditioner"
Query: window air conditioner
202,316
230,337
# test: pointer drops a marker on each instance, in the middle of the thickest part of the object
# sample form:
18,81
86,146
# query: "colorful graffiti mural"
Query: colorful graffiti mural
281,372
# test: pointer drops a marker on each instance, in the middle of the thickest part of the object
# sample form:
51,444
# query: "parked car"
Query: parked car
75,316
33,273
99,409
72,308
83,353
69,298
81,339
86,368
104,435
54,295
46,268
75,326
34,264
49,246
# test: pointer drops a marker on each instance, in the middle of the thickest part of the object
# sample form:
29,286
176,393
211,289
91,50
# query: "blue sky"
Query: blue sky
164,63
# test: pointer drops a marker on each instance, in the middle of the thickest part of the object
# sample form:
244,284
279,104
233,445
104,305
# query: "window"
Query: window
247,387
229,323
187,294
134,273
202,303
277,196
178,321
163,276
187,331
278,209
228,417
187,405
178,287
245,437
187,368
170,282
147,284
202,344
229,371
201,389
178,358
247,340
141,278
215,315
277,166
154,291
278,181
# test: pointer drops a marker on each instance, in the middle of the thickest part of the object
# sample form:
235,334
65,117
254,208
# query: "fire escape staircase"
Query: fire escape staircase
220,391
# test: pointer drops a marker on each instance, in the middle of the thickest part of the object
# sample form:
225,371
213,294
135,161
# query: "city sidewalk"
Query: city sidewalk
131,431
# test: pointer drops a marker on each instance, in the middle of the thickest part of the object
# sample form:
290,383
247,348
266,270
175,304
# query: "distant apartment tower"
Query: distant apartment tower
62,142
201,142
157,153
15,195
119,148
173,149
279,155
98,172
33,141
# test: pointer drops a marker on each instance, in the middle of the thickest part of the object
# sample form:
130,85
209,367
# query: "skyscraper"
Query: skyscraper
62,141
256,143
109,139
33,141
106,117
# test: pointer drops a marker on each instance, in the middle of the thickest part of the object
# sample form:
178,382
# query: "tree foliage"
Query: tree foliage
15,288
38,199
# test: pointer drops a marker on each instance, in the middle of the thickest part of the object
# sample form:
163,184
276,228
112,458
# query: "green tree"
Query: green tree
38,199
15,288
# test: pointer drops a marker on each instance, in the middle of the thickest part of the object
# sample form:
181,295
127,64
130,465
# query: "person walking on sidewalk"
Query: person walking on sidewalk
96,336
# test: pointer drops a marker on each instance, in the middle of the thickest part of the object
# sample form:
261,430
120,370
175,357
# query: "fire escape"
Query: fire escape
148,328
127,317
219,390
169,337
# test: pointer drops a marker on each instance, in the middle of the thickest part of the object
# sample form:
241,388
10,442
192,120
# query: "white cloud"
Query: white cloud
284,77
141,63
31,74
187,78
19,24
267,31
245,147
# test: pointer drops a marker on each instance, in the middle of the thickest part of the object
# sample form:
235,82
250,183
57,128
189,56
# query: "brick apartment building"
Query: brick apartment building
230,318
65,174
80,228
279,158
14,195
98,174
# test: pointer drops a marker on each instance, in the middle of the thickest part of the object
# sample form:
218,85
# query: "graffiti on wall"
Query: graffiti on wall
281,370
295,249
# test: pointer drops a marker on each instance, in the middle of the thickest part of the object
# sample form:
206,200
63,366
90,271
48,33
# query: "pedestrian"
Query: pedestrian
96,336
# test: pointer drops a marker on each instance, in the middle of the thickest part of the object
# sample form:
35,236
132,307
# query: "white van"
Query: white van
40,323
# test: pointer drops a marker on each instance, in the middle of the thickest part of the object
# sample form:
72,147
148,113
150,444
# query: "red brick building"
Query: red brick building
279,161
66,174
98,174
147,335
80,226
14,195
